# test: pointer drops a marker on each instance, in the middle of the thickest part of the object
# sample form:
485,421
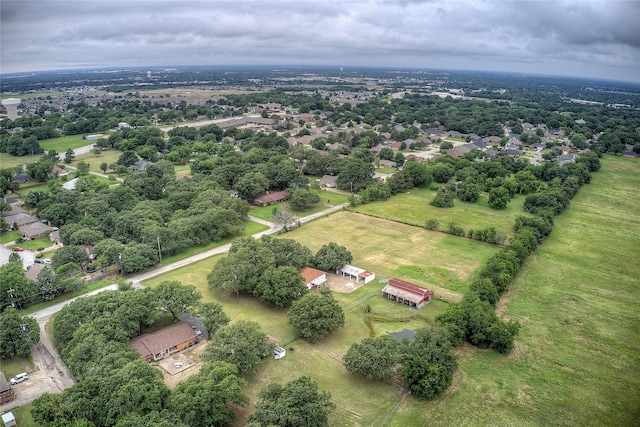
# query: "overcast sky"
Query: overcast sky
577,38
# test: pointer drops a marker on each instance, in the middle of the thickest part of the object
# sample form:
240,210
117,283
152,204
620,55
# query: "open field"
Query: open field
387,248
62,143
413,208
7,161
577,356
332,199
108,156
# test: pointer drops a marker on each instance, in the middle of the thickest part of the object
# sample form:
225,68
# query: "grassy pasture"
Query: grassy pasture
375,243
61,144
332,199
108,156
413,208
577,356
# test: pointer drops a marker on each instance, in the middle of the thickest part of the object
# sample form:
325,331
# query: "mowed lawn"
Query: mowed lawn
391,250
577,357
63,143
413,208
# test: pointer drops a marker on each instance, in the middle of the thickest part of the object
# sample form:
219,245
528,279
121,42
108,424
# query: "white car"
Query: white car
19,378
196,330
47,261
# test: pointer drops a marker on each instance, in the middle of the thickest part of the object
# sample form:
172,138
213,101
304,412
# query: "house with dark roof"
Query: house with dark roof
314,279
271,197
564,159
162,343
20,219
34,230
33,271
376,150
455,134
407,293
21,178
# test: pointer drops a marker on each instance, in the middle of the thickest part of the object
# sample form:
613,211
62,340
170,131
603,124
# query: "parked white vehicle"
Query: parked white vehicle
19,378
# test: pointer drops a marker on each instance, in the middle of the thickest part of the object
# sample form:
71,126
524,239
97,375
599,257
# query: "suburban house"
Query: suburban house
329,181
376,150
271,197
160,344
21,178
357,273
15,210
70,185
20,219
34,230
314,279
6,393
564,159
387,164
407,293
33,271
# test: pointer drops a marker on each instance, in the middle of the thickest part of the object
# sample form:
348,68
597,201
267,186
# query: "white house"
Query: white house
279,353
314,279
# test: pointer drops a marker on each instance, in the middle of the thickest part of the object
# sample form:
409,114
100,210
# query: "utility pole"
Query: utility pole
159,252
10,292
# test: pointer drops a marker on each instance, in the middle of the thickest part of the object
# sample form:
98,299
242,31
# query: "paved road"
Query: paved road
51,375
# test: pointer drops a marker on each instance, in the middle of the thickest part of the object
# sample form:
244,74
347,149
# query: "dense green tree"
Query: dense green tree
332,257
176,298
287,252
315,315
17,334
212,316
152,419
443,198
67,254
242,344
375,358
298,403
280,286
15,289
443,172
48,285
499,197
301,199
69,155
251,185
206,399
429,363
355,175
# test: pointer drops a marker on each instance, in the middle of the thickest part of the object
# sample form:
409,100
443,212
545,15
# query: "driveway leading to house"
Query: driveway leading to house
51,374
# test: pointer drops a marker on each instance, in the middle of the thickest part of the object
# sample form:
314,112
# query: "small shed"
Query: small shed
279,353
407,293
357,273
6,393
9,419
314,279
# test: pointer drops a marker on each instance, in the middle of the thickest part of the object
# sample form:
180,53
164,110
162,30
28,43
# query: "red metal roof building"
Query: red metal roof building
407,293
313,279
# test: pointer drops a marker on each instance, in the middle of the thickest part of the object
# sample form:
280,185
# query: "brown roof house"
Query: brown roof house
314,279
271,197
329,181
35,230
160,344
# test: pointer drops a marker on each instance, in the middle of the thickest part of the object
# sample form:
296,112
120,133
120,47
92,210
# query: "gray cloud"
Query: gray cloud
593,39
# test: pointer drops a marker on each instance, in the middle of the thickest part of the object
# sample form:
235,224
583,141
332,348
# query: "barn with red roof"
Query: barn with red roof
407,293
